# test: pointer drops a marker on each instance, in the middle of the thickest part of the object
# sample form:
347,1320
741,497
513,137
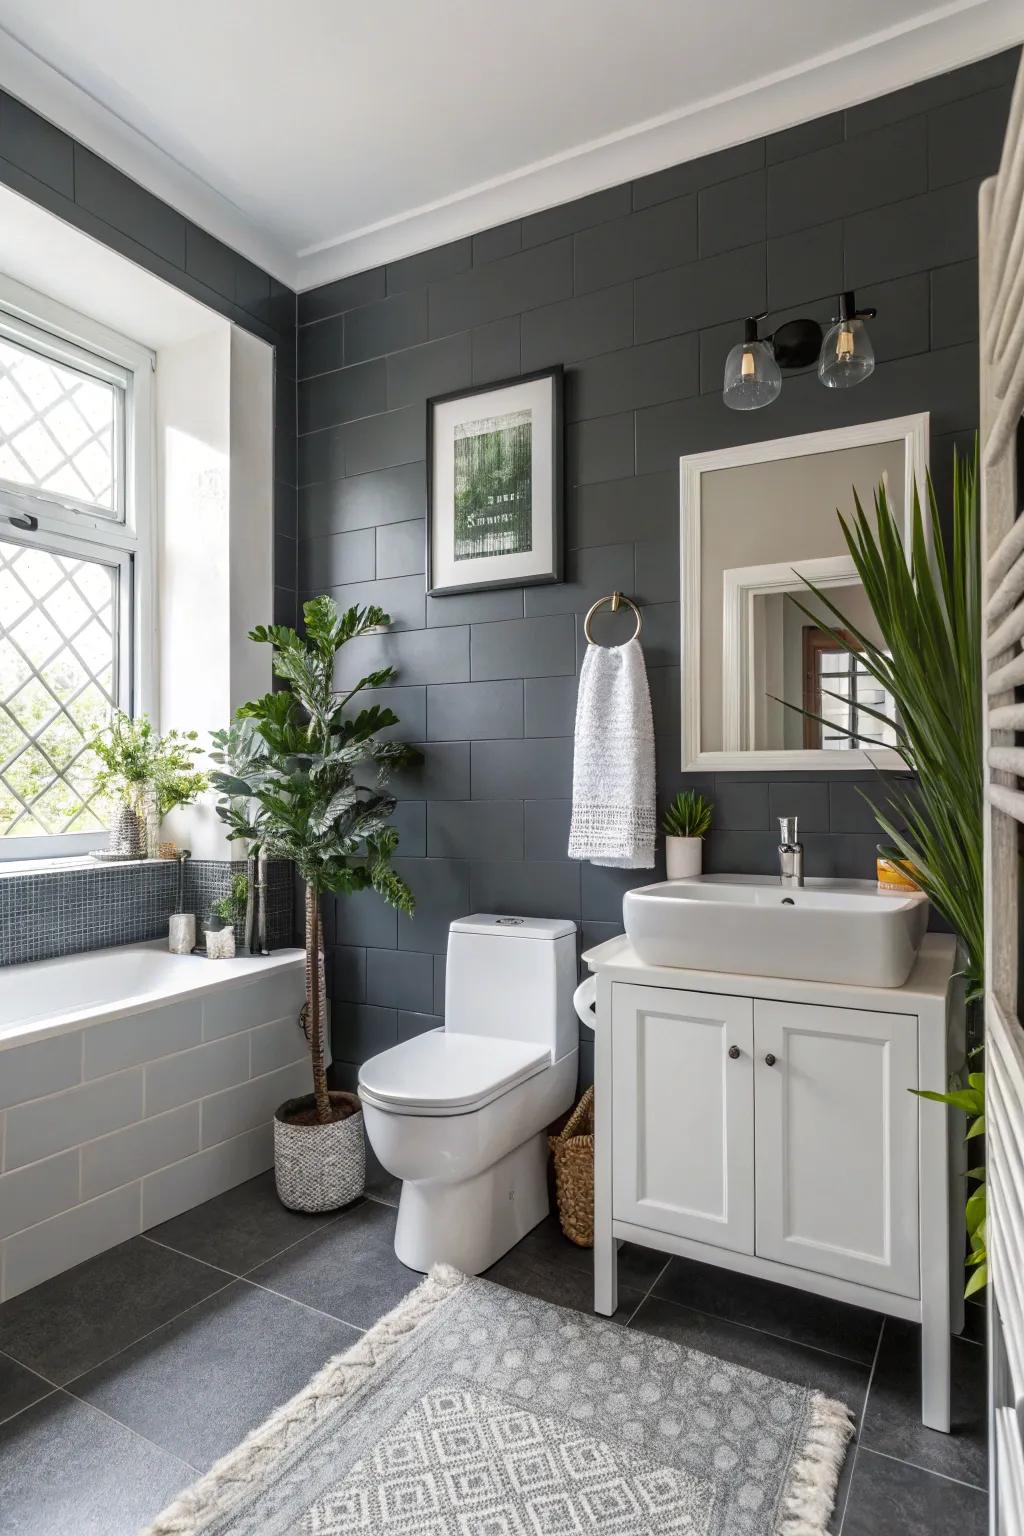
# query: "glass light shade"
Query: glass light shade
752,377
847,356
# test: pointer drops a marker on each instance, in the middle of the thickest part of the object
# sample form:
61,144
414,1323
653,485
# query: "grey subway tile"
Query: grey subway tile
474,711
387,326
579,327
506,287
647,240
526,890
346,293
581,213
400,978
401,548
537,768
550,706
475,829
429,266
531,647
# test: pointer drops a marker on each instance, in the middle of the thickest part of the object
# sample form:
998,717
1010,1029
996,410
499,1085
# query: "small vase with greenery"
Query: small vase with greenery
928,610
148,775
292,765
226,913
685,824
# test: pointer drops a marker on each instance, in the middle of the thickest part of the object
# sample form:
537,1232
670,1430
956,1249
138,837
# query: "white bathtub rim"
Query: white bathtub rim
242,970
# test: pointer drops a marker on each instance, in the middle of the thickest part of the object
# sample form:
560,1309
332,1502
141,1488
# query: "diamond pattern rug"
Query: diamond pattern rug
472,1410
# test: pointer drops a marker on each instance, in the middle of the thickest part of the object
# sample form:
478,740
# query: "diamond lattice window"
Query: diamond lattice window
60,428
58,685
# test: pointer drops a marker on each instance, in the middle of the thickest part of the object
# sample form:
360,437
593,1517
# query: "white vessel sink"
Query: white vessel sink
825,930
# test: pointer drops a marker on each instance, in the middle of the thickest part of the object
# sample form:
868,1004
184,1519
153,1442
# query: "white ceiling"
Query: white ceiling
322,136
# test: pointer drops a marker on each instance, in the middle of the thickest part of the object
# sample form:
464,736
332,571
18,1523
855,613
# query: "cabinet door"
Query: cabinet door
682,1114
836,1136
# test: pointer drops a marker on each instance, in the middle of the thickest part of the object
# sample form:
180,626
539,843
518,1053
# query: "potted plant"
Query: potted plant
685,823
225,913
148,775
290,787
928,607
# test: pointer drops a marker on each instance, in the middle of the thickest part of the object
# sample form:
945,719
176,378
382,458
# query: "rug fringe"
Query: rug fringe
251,1462
809,1495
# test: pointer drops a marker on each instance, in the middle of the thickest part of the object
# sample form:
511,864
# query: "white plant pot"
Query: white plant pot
683,857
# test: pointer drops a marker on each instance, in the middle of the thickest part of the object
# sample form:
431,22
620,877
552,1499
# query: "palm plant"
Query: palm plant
928,611
288,781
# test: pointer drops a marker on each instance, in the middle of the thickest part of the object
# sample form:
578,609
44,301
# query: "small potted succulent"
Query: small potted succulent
219,932
685,823
147,775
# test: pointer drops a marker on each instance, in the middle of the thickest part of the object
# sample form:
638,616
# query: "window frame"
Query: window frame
126,539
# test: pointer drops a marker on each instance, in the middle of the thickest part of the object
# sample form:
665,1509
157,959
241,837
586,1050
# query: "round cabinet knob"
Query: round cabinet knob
769,1060
734,1051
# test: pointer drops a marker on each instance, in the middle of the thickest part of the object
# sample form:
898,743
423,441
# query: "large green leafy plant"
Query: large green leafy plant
928,610
293,771
134,759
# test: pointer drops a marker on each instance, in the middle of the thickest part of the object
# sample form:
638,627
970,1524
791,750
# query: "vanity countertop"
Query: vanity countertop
929,979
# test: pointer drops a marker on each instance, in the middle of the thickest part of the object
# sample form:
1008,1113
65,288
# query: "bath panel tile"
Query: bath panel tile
191,1074
141,1037
259,1002
228,1114
44,1066
32,1194
77,1115
139,1149
276,1045
46,1250
195,1179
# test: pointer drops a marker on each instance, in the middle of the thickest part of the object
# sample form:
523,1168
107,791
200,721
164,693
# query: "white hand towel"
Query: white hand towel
613,766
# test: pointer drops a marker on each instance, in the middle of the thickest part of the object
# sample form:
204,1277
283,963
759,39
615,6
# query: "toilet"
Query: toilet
459,1114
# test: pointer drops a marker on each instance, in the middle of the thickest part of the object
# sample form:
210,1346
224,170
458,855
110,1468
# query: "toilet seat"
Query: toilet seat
447,1073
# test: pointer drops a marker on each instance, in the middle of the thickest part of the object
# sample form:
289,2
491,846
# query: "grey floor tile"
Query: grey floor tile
893,1425
18,1387
64,1468
845,1380
638,1267
536,1273
199,1385
891,1497
71,1323
348,1269
781,1309
239,1229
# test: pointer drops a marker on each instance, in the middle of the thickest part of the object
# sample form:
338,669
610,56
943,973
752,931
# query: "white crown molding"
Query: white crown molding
28,77
958,33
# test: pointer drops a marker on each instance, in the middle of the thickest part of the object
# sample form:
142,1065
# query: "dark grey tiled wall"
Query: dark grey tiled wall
64,912
54,170
639,291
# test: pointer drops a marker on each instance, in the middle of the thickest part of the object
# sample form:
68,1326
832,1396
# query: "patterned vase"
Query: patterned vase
128,834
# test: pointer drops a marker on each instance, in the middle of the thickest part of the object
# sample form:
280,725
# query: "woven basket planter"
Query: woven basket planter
573,1153
319,1167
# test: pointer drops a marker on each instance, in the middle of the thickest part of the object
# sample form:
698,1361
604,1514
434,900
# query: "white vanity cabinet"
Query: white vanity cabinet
771,1127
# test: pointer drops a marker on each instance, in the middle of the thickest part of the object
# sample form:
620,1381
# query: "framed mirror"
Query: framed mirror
756,521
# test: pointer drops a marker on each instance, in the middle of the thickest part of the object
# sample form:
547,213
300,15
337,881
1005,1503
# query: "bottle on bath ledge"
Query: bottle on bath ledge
685,823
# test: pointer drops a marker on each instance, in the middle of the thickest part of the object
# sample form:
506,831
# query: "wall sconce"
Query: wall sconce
753,368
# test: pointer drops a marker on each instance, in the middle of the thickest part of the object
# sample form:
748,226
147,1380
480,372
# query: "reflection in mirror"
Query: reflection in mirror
761,674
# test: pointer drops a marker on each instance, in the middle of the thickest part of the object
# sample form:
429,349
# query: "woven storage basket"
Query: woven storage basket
573,1153
319,1167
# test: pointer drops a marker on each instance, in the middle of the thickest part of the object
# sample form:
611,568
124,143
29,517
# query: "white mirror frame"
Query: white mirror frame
912,431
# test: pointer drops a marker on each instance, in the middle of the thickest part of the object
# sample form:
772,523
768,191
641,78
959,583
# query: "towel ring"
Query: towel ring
614,598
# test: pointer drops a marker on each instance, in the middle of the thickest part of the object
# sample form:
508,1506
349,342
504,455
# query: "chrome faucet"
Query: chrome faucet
791,853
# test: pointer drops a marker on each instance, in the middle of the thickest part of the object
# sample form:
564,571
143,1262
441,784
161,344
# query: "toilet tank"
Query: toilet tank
513,977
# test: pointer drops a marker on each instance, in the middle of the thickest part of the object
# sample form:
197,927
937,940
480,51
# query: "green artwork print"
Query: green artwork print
494,486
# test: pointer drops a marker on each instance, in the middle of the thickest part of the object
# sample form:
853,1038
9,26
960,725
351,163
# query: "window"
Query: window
837,686
75,552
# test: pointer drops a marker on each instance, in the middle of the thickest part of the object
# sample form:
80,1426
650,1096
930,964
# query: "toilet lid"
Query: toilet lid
446,1070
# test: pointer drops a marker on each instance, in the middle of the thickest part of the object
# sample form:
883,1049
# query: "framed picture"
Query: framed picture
494,485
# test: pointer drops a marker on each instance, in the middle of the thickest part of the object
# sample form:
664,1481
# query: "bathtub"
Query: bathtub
135,1084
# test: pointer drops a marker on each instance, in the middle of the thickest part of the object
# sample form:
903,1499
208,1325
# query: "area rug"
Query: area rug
472,1410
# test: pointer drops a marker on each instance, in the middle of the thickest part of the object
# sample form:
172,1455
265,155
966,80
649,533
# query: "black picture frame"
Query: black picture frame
556,375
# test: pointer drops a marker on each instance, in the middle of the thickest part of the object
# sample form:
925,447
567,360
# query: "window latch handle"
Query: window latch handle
28,523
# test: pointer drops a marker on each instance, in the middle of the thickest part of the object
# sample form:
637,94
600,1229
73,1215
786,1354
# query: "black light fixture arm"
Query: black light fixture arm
848,309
